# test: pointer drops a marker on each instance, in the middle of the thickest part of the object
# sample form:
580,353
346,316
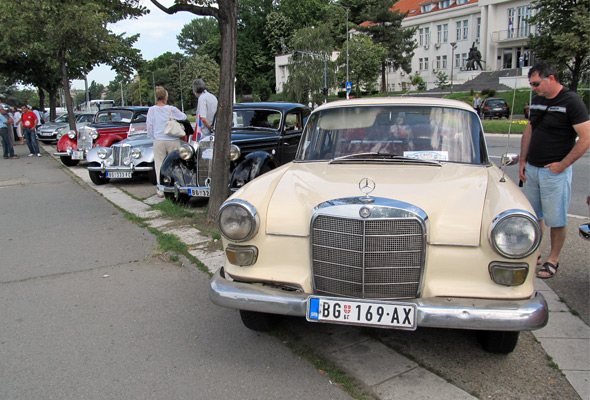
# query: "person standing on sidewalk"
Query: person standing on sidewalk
477,103
29,124
547,151
18,125
5,121
157,117
206,109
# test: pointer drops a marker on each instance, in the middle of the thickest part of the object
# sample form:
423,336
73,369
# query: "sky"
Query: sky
157,31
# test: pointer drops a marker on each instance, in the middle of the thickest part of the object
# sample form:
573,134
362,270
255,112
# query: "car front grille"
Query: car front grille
204,165
120,153
84,139
368,258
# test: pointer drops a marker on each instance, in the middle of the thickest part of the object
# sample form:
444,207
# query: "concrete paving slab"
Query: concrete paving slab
569,354
213,261
419,384
372,362
553,300
159,222
190,236
580,380
564,325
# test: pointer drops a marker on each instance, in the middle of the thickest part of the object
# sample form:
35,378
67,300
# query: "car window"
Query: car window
495,102
61,118
293,122
270,119
108,116
423,132
140,118
85,118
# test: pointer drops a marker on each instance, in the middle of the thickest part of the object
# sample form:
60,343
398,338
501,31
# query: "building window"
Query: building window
426,63
444,62
427,7
457,60
437,62
465,29
420,64
478,33
444,4
442,33
426,36
523,27
463,59
510,23
459,2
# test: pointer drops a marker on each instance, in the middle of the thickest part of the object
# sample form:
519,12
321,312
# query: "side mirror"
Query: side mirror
510,159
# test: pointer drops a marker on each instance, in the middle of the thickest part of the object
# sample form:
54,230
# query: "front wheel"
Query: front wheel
498,342
98,178
68,162
260,322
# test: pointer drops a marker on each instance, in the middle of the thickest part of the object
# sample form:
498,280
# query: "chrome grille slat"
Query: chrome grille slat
372,259
204,165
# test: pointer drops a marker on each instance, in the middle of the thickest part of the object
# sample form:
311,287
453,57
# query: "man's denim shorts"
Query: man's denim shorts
549,194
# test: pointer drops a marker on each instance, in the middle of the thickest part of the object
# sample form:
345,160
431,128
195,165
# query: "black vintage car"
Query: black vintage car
263,136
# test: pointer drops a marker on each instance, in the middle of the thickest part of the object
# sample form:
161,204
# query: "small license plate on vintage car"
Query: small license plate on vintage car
77,155
119,174
199,192
361,312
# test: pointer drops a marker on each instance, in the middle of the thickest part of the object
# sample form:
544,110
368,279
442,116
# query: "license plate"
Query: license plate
361,312
77,155
199,192
119,174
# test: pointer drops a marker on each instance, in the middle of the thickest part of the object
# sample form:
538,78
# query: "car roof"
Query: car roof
398,101
278,105
132,108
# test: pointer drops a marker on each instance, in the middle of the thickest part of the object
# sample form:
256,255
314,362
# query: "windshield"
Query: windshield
255,119
108,116
61,118
85,118
419,132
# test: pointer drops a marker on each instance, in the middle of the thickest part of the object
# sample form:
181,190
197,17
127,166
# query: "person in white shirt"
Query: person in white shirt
17,125
157,117
206,109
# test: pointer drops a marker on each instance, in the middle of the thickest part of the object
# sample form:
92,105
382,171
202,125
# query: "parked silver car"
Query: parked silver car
125,159
49,131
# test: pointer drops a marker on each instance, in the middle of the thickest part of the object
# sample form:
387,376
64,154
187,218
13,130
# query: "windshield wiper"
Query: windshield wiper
381,157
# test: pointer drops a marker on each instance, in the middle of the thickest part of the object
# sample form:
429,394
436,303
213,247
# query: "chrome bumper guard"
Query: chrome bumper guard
177,190
435,312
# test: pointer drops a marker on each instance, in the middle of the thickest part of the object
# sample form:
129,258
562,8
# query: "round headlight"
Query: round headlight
126,161
515,234
136,153
109,161
72,134
186,152
238,220
94,134
234,152
102,152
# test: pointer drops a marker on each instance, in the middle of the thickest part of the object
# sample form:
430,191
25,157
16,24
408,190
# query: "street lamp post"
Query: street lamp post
180,83
453,47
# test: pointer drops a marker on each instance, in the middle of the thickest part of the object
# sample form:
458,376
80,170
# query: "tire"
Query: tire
498,342
152,177
259,322
182,198
68,162
98,178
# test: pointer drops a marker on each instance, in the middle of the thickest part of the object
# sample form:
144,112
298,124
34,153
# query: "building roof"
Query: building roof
414,7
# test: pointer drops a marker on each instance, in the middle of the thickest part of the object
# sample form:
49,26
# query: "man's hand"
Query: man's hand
556,167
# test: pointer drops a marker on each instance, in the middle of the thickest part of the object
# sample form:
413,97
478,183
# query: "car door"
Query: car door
290,136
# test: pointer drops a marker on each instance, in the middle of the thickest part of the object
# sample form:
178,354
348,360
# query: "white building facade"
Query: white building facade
446,30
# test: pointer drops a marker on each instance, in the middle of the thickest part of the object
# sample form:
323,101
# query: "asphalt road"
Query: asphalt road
89,311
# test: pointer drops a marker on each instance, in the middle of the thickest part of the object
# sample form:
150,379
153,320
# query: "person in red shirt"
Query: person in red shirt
29,121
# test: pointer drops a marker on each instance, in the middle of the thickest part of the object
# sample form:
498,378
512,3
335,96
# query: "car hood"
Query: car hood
54,125
452,195
240,136
138,140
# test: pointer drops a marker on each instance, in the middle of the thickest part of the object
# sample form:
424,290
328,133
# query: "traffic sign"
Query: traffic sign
349,86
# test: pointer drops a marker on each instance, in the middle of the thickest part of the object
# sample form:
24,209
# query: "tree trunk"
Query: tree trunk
41,100
52,102
383,80
228,16
66,86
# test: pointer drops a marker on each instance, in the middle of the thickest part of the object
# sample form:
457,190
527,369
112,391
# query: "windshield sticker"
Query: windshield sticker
207,154
428,155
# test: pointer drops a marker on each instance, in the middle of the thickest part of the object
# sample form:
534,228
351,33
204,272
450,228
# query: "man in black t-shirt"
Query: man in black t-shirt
548,149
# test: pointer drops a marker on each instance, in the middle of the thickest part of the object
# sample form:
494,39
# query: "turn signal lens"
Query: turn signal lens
508,274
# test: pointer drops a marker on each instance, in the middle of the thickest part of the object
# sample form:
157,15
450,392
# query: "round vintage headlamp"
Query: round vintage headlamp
102,152
109,161
186,152
238,221
72,134
234,152
515,234
126,161
135,153
94,134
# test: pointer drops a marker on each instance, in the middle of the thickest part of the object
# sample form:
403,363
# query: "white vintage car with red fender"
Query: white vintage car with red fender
391,215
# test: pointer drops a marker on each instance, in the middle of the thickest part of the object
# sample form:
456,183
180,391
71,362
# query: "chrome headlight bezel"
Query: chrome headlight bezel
238,220
515,234
135,153
186,152
234,152
72,134
103,152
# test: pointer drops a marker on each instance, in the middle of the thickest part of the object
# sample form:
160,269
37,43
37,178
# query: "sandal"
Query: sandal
548,268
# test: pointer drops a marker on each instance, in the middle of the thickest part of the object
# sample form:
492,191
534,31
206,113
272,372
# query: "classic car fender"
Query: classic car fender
253,165
64,142
108,140
176,170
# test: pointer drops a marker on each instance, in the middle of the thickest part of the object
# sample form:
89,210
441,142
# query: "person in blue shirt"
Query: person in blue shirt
5,121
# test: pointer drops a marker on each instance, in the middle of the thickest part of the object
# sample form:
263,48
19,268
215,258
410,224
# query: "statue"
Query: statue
474,59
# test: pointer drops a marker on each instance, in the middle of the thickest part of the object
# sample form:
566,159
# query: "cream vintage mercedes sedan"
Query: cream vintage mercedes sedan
391,215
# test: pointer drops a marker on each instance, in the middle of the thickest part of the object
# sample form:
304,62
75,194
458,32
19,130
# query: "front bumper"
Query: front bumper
435,312
187,190
121,168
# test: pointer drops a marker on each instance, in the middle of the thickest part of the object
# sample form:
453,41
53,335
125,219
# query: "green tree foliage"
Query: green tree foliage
306,72
418,82
365,65
278,32
563,35
442,80
386,29
64,40
197,33
304,13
